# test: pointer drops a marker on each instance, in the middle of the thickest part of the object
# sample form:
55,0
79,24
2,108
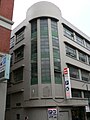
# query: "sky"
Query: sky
77,12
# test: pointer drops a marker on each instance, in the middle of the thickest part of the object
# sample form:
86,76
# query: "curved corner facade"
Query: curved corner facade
43,46
43,9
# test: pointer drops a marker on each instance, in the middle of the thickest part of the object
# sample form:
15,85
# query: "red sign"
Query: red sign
65,71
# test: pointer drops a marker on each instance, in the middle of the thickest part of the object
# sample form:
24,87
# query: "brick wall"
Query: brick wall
6,8
4,39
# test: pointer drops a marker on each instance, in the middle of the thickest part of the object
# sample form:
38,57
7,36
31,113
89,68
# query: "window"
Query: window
19,53
89,59
88,45
68,33
56,56
45,52
34,74
82,57
58,77
85,75
76,93
74,71
80,40
11,62
9,80
56,52
18,116
54,29
20,34
86,94
8,101
12,42
18,74
71,51
33,29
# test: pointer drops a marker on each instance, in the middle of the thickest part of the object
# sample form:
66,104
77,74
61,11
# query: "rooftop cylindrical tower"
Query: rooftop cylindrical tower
44,9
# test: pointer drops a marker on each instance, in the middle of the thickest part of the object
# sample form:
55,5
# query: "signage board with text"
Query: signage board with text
5,67
67,83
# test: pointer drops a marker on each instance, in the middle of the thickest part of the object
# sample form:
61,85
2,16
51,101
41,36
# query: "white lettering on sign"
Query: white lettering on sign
52,113
67,83
5,67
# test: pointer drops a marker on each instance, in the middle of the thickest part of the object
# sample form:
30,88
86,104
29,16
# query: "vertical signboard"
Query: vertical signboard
52,114
5,67
67,83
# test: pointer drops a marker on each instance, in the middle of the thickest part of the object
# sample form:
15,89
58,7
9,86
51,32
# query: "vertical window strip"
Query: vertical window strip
56,52
45,52
34,71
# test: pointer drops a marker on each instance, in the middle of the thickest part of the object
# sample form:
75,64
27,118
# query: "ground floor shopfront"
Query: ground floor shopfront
48,113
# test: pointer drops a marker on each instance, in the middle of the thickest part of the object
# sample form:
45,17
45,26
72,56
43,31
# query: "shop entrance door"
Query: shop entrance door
63,115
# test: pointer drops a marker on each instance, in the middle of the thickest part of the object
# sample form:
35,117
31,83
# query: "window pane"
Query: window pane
33,29
12,42
19,53
82,57
88,45
80,40
18,74
58,77
68,33
34,74
56,52
86,94
45,54
70,51
76,93
85,75
74,72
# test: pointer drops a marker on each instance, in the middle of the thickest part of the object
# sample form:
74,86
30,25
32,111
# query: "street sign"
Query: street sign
52,113
5,67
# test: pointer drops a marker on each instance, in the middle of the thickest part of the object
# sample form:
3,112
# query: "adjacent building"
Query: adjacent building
6,12
41,86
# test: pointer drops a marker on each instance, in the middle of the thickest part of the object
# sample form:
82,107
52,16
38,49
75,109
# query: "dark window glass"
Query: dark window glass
20,34
18,74
9,80
34,74
45,54
76,93
88,45
8,101
12,42
86,94
58,77
19,53
70,51
56,52
80,40
18,116
68,33
11,61
74,71
85,75
89,59
33,29
82,57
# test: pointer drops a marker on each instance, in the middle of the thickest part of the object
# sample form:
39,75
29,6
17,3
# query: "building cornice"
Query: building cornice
6,23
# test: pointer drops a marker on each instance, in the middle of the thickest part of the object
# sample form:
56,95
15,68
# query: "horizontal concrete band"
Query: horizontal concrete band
6,23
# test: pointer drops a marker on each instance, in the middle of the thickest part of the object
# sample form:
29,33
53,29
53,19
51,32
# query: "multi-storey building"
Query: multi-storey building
42,47
6,11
